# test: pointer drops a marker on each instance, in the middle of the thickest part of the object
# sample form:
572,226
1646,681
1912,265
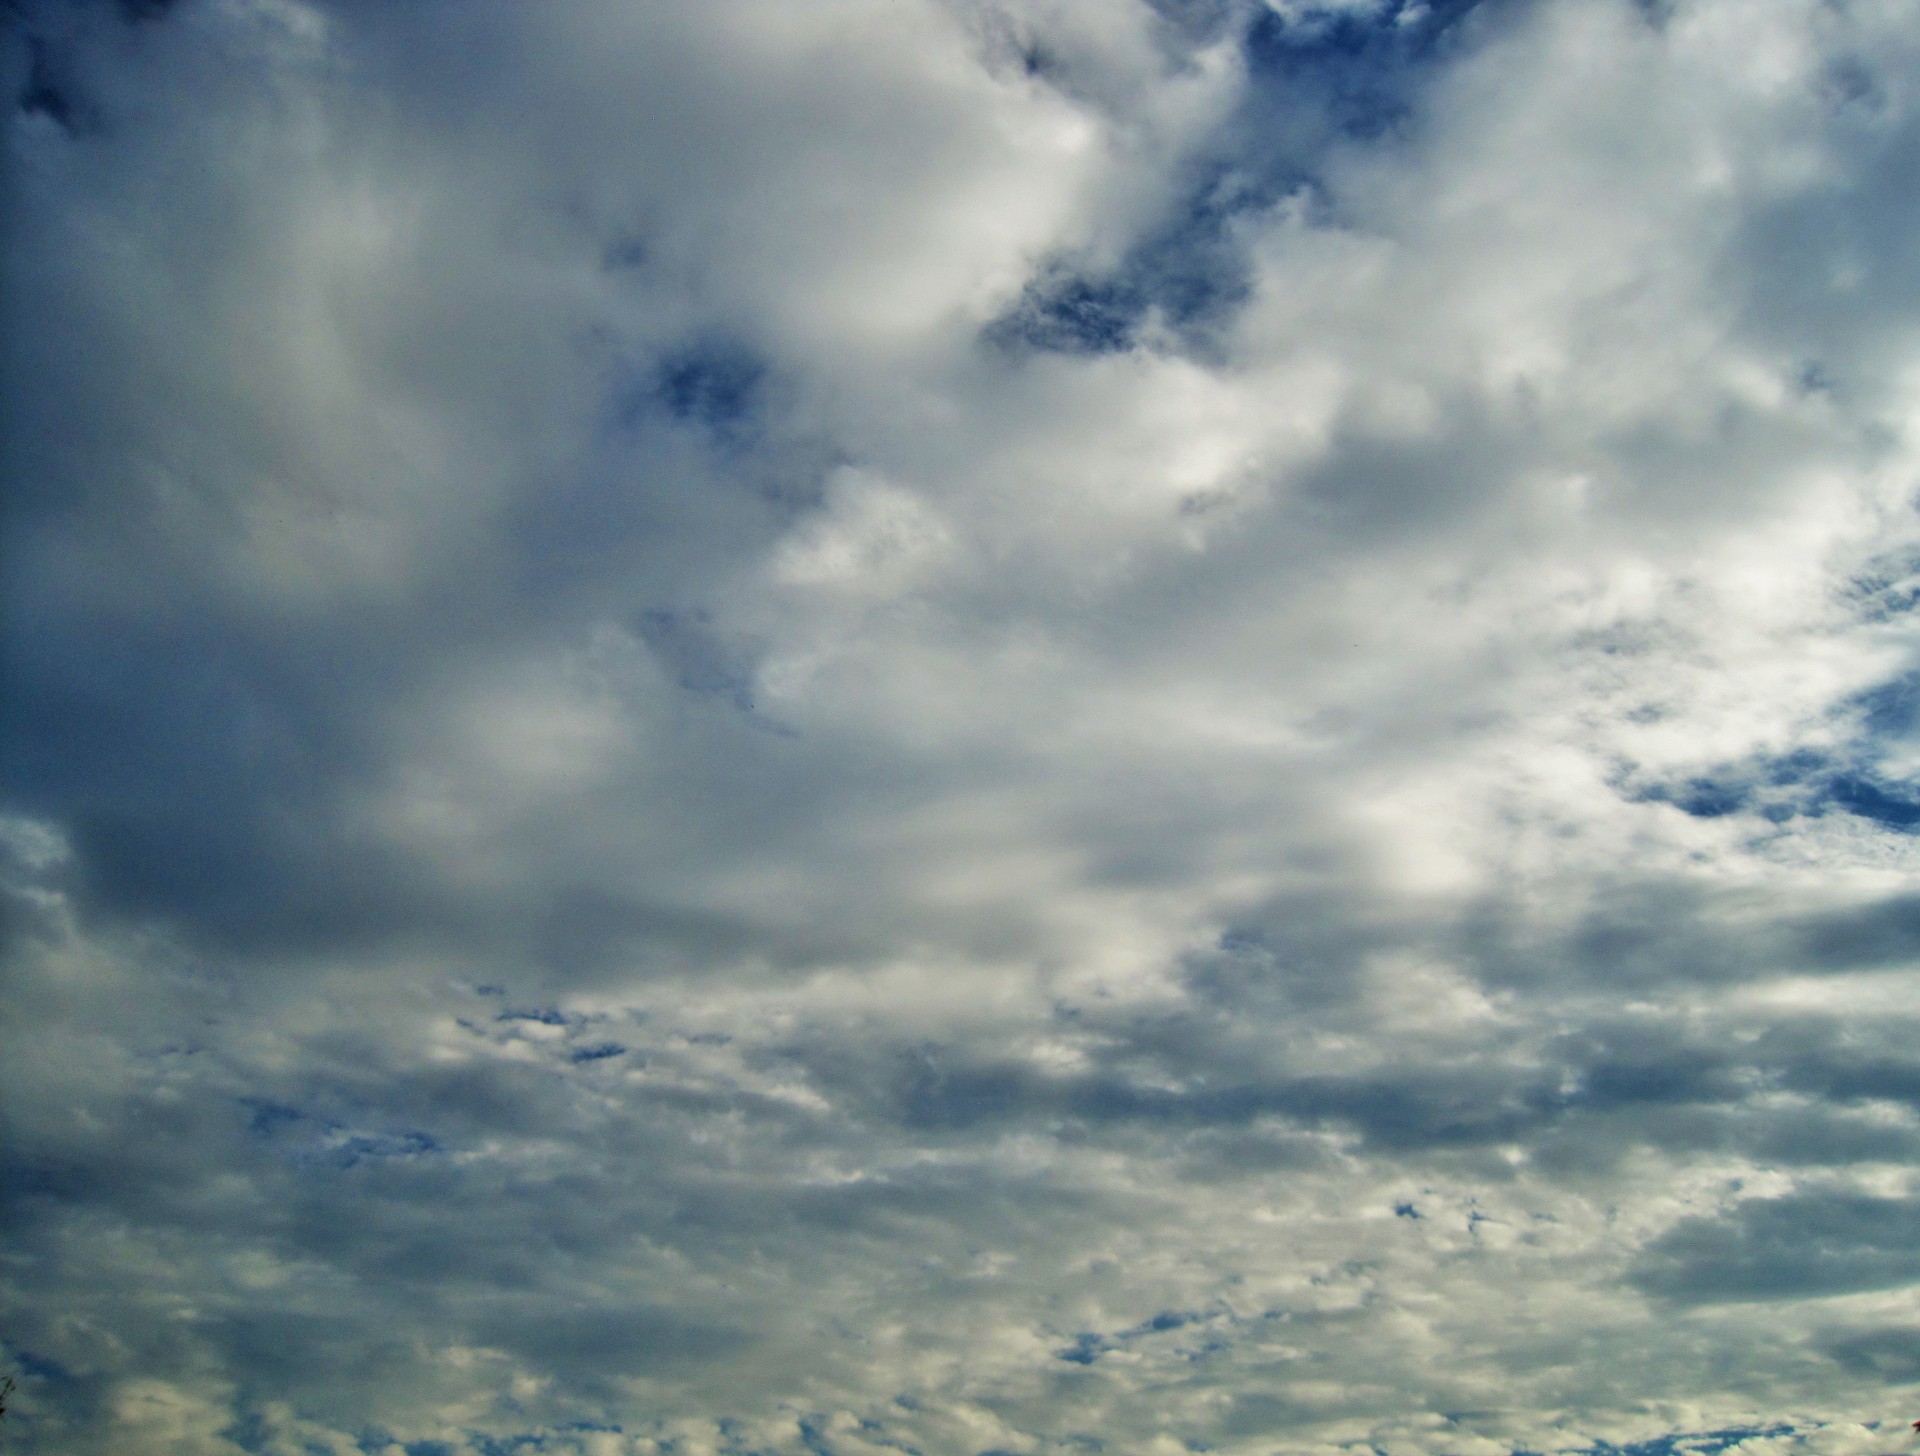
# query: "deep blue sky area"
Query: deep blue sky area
960,727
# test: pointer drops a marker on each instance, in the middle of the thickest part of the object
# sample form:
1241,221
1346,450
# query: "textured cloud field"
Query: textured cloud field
961,727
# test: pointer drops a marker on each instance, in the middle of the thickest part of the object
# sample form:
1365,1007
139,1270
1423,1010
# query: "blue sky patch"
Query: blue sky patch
701,661
1849,778
716,384
1359,67
544,1015
596,1052
309,1140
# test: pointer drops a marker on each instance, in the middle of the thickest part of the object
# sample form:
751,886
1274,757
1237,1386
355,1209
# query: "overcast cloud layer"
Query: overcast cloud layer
961,726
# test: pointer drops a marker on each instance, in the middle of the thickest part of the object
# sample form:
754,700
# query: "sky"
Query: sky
960,727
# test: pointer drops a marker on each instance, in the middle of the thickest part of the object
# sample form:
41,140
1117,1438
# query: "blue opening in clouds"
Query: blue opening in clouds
250,1432
1893,709
1691,1443
1085,1349
545,1015
44,92
1190,274
1079,316
490,1445
1358,65
716,383
686,644
352,1151
37,1367
309,1140
1861,796
1315,77
1709,798
1853,777
599,1052
270,1118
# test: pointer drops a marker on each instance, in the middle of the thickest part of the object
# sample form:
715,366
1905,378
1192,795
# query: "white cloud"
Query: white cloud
966,728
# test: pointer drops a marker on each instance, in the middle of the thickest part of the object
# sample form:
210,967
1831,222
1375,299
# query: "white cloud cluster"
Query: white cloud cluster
960,727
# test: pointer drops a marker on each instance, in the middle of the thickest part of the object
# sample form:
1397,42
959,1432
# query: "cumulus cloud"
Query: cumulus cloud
960,727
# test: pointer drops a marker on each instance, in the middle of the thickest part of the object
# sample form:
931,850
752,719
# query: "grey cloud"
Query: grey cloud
1871,935
605,1342
1813,1243
1888,1352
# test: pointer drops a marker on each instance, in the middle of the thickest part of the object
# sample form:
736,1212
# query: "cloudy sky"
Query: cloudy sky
962,727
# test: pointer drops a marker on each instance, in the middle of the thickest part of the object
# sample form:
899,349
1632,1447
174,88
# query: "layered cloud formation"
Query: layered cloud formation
961,726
